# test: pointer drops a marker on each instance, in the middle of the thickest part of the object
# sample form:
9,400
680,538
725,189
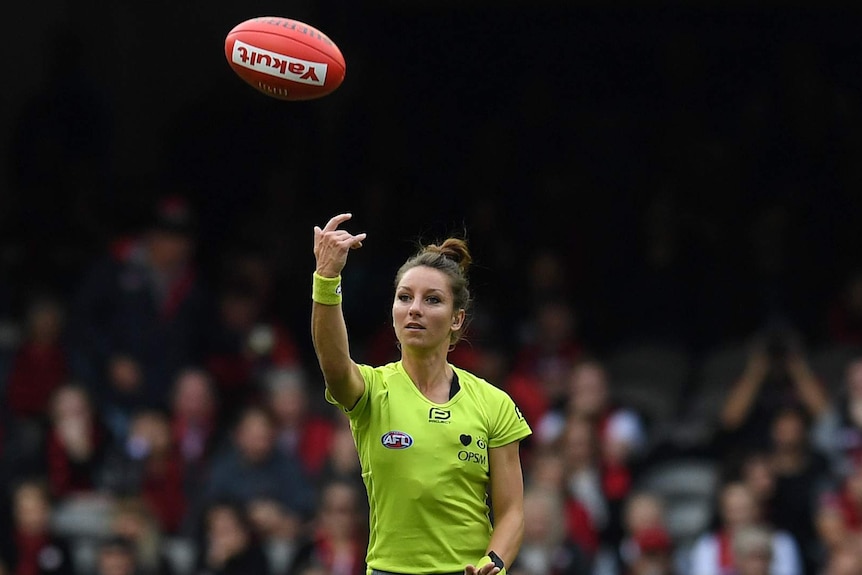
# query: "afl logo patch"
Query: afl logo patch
396,440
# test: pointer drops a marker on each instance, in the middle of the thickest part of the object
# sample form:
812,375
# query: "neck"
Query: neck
430,374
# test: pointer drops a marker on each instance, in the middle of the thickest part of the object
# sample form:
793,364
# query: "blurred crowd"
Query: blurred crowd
153,423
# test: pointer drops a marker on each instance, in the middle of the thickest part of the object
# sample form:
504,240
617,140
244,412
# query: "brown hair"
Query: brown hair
452,257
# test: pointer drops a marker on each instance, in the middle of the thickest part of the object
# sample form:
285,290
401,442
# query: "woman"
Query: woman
431,437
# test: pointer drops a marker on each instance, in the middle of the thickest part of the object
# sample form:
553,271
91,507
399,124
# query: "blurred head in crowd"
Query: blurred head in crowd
254,434
288,395
133,521
271,521
116,556
789,430
150,434
643,510
653,553
588,389
846,558
194,398
578,444
547,470
737,505
544,525
31,507
752,550
171,235
228,534
45,320
71,402
339,514
756,472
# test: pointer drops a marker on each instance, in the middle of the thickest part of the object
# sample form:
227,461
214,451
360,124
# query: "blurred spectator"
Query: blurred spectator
712,552
195,423
148,464
116,556
758,474
277,530
844,319
338,536
653,553
588,395
31,547
845,559
777,374
76,444
229,545
548,349
134,522
139,314
839,511
617,431
546,547
801,473
40,364
587,483
548,471
245,342
838,431
251,467
643,526
301,432
752,548
342,461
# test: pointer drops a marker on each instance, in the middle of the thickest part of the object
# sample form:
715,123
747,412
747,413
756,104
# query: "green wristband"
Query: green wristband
326,291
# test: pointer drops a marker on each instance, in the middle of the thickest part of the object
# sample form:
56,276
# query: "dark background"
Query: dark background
698,167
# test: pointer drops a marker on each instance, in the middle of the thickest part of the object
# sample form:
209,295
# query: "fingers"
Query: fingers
336,221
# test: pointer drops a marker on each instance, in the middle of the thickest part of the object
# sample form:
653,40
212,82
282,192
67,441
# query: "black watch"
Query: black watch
498,561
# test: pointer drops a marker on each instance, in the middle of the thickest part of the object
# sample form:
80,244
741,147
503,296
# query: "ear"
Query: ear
458,320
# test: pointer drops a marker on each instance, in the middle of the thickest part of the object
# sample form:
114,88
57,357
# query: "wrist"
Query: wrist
326,290
492,557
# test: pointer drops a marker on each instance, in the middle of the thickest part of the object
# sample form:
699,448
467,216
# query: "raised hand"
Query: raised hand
331,246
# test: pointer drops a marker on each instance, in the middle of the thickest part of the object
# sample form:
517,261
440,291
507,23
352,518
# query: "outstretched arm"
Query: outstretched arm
328,329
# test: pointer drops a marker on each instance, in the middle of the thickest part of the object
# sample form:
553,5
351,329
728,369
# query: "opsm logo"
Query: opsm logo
396,440
278,65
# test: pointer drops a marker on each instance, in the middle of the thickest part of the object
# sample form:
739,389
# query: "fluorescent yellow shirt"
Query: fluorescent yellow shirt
425,467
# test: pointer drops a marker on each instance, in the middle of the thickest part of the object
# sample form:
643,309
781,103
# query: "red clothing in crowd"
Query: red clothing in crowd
37,370
67,476
579,526
162,489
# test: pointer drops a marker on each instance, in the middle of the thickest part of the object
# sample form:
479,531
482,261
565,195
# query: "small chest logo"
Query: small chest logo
396,440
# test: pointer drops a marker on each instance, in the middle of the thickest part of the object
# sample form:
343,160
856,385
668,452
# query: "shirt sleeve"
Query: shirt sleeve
508,424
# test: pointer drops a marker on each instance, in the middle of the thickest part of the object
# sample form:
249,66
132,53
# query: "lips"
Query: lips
413,325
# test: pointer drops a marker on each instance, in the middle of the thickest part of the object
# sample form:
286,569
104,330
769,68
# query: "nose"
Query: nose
415,308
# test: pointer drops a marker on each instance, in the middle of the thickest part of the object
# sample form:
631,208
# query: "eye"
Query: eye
433,299
403,297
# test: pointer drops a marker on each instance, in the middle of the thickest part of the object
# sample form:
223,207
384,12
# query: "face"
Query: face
113,561
422,313
737,506
338,511
169,251
193,399
255,437
644,511
757,474
788,431
71,403
589,389
755,562
32,512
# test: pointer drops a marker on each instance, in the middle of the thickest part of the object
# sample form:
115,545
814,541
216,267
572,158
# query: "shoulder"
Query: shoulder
477,385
